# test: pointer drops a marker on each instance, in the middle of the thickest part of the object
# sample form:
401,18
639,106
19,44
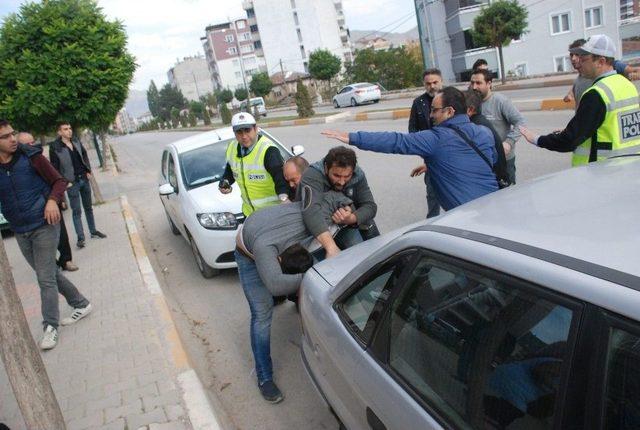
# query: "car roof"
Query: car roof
207,138
589,213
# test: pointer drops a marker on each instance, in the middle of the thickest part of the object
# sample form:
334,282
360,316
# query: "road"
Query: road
212,315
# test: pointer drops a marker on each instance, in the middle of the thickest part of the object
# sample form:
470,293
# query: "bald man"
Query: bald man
64,248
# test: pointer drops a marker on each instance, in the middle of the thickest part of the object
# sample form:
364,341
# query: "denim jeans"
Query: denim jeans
39,249
261,307
511,170
81,191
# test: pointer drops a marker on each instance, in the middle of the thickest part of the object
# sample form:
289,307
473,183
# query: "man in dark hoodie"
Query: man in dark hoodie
30,191
338,171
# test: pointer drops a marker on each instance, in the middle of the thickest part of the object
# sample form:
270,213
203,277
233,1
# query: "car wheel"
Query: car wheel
353,102
174,229
376,100
206,270
335,104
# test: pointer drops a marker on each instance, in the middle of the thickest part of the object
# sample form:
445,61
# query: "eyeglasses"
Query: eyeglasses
8,135
434,109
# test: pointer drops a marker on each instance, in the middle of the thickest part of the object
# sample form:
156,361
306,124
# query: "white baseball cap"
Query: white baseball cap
242,120
598,44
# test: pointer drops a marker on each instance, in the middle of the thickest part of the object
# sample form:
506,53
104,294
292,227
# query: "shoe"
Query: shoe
270,392
77,315
69,266
80,243
98,234
49,338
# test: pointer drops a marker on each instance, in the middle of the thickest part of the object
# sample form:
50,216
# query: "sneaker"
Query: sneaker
49,338
98,234
77,315
80,243
270,392
69,266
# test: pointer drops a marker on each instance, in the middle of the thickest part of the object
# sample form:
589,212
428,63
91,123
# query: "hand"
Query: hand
344,216
51,212
419,170
338,135
567,99
88,175
527,134
225,190
332,251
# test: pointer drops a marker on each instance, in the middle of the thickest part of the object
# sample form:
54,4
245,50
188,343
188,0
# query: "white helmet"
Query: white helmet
242,120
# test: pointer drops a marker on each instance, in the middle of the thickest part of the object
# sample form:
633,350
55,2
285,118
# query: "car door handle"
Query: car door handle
374,421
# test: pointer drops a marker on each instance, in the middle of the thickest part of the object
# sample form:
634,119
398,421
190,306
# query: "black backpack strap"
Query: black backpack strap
475,148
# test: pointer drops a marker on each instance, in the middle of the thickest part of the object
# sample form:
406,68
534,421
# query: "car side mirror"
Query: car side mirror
297,149
166,189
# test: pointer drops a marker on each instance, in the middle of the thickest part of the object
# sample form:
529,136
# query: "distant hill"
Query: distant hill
136,103
359,37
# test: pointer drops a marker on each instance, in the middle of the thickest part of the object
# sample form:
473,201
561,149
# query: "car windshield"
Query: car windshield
204,165
364,85
256,102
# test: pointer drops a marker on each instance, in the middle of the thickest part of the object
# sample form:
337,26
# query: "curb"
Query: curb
204,413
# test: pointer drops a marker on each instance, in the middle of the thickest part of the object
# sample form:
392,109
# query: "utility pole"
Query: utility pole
22,360
281,70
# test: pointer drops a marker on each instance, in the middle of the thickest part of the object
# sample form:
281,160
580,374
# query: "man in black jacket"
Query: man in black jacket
420,120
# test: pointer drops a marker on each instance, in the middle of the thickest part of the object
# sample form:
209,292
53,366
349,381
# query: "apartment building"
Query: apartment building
447,43
289,30
630,30
232,55
191,77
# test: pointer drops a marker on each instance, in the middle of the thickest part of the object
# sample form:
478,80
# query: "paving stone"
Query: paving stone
111,414
118,424
156,416
169,398
90,421
131,396
114,400
176,425
174,412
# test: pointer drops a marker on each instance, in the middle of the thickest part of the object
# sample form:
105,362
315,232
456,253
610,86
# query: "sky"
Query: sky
161,32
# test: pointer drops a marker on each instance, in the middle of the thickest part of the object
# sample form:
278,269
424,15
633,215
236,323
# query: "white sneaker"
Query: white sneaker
77,315
49,338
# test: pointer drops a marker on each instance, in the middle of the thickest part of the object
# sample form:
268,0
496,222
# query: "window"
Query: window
232,50
295,18
235,62
484,352
299,35
293,4
622,391
229,38
562,63
521,69
257,44
171,171
238,74
246,48
246,36
561,23
593,17
240,25
468,41
251,13
254,28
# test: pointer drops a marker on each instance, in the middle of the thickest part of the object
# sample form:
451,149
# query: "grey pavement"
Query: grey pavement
111,370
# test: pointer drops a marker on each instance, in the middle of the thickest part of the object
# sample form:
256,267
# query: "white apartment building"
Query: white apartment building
232,53
191,77
289,30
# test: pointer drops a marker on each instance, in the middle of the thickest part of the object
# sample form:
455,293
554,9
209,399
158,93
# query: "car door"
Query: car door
344,96
462,346
173,201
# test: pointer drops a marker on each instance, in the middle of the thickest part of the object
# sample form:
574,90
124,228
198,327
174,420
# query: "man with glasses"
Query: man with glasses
256,164
30,191
607,121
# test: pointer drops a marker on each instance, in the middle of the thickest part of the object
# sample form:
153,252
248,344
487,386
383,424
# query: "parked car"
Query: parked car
519,310
188,186
254,102
356,94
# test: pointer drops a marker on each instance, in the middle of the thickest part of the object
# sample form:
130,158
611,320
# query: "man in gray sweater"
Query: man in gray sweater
271,258
502,114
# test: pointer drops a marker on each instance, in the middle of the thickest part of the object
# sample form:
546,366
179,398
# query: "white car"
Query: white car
188,186
355,94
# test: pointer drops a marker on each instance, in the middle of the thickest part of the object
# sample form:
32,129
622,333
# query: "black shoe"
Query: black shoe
270,392
80,243
98,234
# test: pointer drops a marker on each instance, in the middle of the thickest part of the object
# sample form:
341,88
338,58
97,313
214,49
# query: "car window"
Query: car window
363,305
204,165
345,90
171,173
283,152
622,389
484,353
363,85
163,164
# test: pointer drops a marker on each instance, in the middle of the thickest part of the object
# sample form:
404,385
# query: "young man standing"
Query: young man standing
30,191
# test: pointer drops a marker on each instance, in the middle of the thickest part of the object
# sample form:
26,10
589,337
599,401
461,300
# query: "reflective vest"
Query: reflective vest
619,133
257,188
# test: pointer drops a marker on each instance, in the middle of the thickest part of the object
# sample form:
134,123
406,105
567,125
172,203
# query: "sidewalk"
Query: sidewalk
122,367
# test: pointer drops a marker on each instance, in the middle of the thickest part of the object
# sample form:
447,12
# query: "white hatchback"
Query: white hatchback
188,186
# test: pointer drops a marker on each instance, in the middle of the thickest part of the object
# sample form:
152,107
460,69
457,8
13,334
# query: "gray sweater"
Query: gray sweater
504,116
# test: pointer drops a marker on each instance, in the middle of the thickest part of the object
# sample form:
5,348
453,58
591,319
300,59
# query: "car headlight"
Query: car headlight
218,221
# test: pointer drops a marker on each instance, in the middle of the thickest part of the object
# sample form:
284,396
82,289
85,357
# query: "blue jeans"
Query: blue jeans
39,249
81,191
261,307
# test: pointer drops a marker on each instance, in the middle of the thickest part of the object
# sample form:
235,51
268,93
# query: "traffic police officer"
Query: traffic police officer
607,121
255,163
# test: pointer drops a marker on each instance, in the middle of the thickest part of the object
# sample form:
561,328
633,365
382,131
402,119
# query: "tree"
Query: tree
175,117
197,108
498,24
210,100
206,118
63,60
241,94
225,114
170,98
303,101
153,99
225,96
193,121
323,65
394,68
260,84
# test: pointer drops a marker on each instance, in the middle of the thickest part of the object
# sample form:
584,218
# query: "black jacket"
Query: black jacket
60,157
500,168
420,119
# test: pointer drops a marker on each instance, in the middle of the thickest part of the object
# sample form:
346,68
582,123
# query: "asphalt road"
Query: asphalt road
212,315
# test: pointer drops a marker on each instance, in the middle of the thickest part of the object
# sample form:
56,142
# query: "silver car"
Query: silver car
356,94
519,310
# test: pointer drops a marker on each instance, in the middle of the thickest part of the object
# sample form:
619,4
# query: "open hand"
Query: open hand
52,212
419,170
338,135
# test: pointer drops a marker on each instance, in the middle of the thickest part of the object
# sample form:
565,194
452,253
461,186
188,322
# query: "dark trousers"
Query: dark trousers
64,248
433,205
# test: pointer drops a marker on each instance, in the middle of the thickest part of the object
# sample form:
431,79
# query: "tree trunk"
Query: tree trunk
504,78
106,151
22,360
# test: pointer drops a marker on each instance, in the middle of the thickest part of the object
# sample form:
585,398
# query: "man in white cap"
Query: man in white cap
255,163
607,121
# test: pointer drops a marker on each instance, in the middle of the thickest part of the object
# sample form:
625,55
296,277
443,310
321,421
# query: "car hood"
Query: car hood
208,198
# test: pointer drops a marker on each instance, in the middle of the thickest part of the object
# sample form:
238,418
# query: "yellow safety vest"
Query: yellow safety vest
257,187
619,133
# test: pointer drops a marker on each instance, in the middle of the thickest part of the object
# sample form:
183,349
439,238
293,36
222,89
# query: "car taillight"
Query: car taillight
359,91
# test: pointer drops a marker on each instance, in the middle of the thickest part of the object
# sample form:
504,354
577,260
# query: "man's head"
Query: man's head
8,143
293,169
432,79
446,104
339,165
596,55
481,82
295,259
245,129
64,130
480,64
25,138
575,58
473,99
